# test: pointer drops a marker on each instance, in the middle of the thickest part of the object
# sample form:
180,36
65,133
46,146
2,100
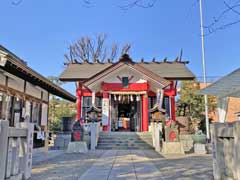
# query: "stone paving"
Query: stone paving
124,165
63,166
183,167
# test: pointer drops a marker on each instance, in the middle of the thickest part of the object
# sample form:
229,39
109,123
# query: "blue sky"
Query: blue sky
41,31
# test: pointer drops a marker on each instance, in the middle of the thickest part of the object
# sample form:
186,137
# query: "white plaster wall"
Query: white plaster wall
44,116
125,72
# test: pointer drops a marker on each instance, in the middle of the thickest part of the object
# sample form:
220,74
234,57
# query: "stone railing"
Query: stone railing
226,148
95,131
15,151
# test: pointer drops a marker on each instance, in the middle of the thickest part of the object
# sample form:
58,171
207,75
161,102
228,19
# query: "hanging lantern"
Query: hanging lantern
138,98
119,97
131,98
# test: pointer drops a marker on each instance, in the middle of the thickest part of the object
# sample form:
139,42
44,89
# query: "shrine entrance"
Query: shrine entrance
125,113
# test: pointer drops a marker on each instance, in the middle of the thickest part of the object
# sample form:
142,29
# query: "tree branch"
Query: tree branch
213,27
138,3
94,50
17,2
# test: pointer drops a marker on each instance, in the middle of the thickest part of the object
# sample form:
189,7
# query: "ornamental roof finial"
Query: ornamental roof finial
125,58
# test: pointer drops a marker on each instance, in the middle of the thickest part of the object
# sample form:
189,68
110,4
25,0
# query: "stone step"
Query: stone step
121,148
125,143
126,137
121,141
125,133
124,147
123,137
125,140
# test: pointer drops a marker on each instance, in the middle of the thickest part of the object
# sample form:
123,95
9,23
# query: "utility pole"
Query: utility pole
204,70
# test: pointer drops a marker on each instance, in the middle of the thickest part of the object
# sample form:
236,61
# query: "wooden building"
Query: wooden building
126,90
24,93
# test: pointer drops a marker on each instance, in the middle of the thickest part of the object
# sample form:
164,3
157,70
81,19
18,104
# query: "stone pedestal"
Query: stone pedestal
200,148
172,148
187,141
77,147
62,140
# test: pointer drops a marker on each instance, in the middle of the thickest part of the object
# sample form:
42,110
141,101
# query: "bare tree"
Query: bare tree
223,20
16,2
138,3
94,49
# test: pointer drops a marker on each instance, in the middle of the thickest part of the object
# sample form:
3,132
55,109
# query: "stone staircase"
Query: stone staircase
125,140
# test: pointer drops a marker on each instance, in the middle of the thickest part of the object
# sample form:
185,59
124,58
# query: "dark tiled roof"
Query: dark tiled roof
12,54
82,71
174,70
163,82
168,70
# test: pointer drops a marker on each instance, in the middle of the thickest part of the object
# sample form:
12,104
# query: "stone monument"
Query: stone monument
172,145
77,145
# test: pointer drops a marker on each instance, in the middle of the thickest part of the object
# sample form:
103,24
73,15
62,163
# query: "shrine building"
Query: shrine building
125,91
24,95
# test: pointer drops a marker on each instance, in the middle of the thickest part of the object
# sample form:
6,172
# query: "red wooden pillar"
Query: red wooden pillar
144,113
106,96
172,101
173,113
79,100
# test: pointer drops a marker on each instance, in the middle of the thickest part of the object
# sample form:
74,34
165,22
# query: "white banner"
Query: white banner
44,119
105,111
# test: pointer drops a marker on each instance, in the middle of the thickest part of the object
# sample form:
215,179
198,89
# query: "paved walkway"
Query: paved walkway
122,165
62,166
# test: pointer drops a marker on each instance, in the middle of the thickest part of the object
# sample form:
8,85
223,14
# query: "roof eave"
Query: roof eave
180,78
17,68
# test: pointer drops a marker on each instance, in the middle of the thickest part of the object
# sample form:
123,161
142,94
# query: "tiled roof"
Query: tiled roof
227,86
167,70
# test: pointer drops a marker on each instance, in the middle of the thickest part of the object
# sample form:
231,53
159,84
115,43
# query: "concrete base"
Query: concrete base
200,149
172,148
77,147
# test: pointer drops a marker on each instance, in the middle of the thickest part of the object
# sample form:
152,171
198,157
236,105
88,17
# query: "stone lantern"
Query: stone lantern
93,114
